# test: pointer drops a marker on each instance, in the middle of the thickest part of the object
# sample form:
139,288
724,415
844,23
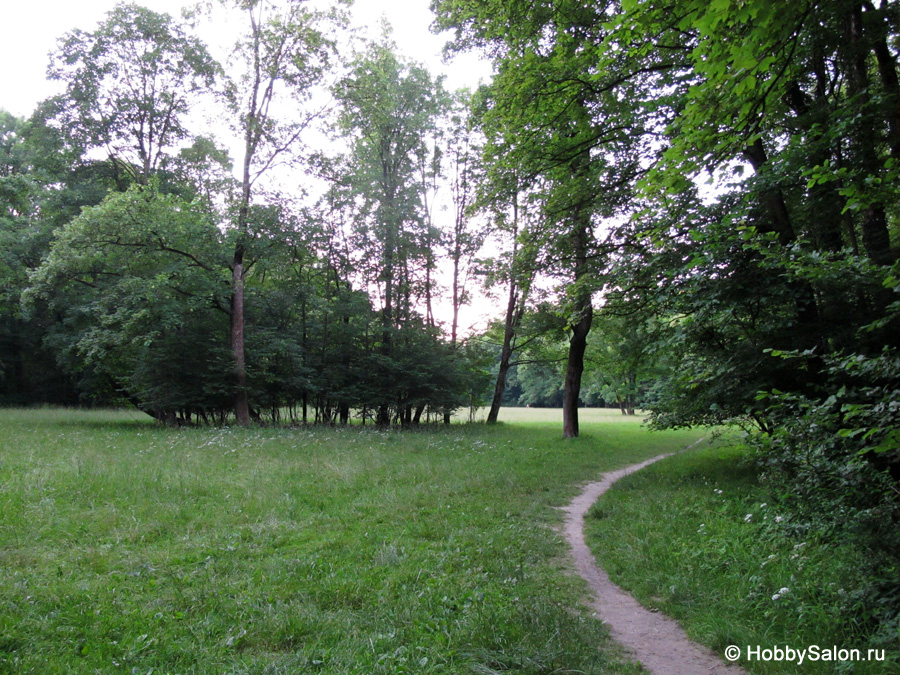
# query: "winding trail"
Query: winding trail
655,640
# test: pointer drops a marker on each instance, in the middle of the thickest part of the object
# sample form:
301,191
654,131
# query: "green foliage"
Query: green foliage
136,281
623,362
27,210
793,260
389,111
830,461
129,86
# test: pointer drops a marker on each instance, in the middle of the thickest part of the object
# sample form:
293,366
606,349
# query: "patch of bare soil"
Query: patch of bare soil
655,640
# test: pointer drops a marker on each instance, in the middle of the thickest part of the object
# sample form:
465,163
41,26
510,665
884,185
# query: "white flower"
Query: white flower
781,592
778,519
748,517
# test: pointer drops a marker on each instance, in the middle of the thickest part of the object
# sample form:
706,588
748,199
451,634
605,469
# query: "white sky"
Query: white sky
33,27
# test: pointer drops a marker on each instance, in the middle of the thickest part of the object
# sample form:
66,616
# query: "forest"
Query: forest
685,206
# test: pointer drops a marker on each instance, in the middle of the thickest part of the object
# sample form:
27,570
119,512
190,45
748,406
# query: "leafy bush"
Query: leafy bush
834,464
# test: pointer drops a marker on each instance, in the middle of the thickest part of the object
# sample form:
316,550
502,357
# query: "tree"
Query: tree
19,246
39,191
284,54
388,109
129,87
517,269
138,285
464,240
623,363
776,298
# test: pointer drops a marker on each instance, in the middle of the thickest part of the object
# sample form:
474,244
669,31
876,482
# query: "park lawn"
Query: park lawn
691,536
128,547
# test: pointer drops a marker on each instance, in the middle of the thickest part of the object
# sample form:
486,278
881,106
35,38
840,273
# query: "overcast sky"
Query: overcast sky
33,27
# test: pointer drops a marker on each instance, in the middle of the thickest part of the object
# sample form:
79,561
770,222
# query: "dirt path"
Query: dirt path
655,640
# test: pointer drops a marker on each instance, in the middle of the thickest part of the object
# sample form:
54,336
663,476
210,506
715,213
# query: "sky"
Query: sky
33,27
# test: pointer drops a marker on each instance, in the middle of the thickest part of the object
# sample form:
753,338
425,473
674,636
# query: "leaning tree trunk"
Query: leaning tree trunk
505,354
583,311
515,308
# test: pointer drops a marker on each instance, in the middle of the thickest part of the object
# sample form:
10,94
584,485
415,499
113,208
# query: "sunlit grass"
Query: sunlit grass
128,547
586,416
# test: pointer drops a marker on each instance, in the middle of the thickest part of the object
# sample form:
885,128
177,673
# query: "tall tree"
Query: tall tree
136,285
43,185
577,139
517,269
388,109
130,85
284,54
467,237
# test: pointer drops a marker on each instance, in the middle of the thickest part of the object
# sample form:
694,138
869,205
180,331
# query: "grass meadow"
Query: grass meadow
126,547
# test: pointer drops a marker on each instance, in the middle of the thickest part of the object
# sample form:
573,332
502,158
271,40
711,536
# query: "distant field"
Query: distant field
554,415
128,547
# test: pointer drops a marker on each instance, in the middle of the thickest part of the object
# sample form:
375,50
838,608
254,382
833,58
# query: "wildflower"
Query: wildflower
778,519
748,517
781,592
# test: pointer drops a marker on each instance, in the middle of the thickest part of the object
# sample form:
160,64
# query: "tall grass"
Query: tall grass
127,547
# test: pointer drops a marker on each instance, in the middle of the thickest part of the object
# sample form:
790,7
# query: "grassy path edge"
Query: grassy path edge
657,641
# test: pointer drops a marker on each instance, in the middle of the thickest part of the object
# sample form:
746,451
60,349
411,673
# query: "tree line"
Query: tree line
141,265
133,242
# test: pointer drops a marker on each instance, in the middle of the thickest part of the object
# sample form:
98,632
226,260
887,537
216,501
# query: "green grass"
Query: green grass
691,537
127,547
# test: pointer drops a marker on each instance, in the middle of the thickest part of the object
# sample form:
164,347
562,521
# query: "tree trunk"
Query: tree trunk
574,369
581,235
515,308
251,140
773,198
875,235
241,400
454,324
781,225
505,354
